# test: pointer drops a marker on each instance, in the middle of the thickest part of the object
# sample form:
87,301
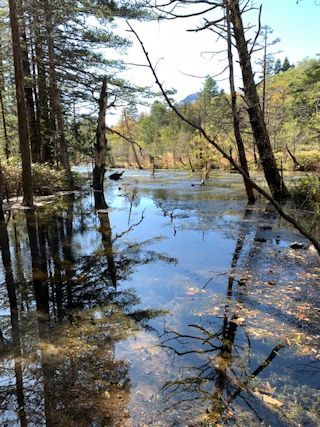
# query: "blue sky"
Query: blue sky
298,26
184,58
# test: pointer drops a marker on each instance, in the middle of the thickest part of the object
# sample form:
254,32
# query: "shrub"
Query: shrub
309,160
306,192
46,180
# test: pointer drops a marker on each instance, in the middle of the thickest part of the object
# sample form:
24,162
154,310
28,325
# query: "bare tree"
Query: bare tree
135,154
235,113
101,141
170,10
258,125
214,143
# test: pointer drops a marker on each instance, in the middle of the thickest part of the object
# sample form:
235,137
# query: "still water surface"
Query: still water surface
177,305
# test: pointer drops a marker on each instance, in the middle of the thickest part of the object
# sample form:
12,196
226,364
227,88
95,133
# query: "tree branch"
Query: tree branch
212,141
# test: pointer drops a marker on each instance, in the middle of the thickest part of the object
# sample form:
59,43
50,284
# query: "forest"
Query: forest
159,252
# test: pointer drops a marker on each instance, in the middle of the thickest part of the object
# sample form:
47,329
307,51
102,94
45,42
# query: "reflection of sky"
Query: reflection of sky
200,235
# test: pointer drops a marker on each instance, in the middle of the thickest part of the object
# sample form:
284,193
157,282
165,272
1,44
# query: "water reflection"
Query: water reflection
218,371
58,360
156,303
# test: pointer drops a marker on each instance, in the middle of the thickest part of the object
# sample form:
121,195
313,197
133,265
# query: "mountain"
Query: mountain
190,98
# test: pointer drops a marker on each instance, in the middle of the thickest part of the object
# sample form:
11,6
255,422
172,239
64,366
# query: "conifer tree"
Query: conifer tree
21,107
286,64
277,66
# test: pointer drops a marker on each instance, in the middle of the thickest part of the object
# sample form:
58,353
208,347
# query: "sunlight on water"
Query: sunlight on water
177,305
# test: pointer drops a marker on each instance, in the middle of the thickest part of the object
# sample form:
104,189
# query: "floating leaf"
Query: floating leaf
268,399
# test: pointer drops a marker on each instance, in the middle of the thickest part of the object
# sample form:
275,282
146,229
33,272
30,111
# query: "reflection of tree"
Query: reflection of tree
71,374
14,317
217,356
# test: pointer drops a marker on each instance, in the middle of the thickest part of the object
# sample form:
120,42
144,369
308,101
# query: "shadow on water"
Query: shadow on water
157,303
219,374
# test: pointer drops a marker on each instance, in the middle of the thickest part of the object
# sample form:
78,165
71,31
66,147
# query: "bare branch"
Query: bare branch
213,142
115,132
258,31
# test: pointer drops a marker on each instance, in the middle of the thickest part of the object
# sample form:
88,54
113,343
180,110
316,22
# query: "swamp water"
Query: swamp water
177,306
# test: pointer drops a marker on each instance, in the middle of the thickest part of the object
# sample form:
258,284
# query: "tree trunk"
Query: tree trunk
258,126
4,123
296,164
1,195
3,107
235,113
21,107
135,154
14,317
38,148
46,150
264,82
28,87
101,141
56,98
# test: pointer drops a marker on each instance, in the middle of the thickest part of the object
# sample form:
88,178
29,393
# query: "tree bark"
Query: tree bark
258,126
213,142
135,154
28,86
3,106
55,93
101,141
42,104
1,195
235,113
4,123
21,107
296,164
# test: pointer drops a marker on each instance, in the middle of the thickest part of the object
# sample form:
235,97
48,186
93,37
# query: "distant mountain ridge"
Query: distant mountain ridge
190,98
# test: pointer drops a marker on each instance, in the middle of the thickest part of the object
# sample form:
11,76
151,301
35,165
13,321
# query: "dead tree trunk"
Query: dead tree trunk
258,126
296,164
213,142
21,107
135,154
235,113
101,141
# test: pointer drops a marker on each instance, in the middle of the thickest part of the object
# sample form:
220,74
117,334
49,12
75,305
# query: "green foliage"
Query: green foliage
170,141
277,67
286,64
46,180
84,39
309,160
292,118
306,192
292,112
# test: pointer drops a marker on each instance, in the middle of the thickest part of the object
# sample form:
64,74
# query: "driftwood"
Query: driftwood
116,175
296,164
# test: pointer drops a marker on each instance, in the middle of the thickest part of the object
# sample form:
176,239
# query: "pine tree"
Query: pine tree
286,64
21,107
277,66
